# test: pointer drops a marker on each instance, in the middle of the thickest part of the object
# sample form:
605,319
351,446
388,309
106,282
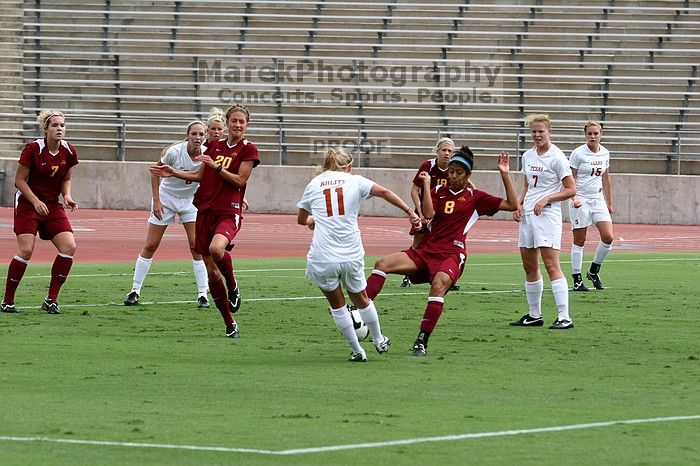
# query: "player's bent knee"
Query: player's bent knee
216,253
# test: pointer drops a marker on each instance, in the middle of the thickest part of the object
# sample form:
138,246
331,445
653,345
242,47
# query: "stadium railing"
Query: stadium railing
391,24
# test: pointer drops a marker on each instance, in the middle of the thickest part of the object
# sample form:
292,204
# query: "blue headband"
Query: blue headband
461,160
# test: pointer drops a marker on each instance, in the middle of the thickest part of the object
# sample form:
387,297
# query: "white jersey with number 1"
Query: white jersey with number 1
334,199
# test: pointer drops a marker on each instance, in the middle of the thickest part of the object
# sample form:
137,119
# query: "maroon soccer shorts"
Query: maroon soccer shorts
429,263
28,221
208,225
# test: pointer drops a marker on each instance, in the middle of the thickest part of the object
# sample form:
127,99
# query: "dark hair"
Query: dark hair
467,154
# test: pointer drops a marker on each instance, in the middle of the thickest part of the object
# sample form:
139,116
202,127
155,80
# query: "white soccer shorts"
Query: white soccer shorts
173,206
540,231
328,275
591,212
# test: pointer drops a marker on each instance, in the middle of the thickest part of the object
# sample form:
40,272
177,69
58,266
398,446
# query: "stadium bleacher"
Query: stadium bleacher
385,77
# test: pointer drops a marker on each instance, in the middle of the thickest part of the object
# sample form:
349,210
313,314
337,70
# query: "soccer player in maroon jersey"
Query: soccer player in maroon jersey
43,172
437,169
226,167
439,259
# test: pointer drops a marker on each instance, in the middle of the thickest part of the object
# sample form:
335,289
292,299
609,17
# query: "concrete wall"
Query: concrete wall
652,199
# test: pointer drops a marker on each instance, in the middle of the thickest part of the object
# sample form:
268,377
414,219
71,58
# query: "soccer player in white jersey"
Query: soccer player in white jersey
548,181
336,258
592,204
173,197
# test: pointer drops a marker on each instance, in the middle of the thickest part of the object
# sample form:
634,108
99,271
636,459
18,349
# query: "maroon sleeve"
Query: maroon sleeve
486,203
434,197
250,153
424,167
72,157
211,146
28,155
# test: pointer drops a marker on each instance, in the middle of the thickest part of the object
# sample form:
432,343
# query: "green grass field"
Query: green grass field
160,384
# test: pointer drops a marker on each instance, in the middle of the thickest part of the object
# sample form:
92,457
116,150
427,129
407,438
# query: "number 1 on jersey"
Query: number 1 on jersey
329,201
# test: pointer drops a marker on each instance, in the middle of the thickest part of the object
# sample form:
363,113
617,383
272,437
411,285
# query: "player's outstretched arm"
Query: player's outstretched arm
393,199
165,171
306,219
510,203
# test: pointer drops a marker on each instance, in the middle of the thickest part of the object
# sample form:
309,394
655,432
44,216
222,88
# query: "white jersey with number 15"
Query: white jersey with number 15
590,167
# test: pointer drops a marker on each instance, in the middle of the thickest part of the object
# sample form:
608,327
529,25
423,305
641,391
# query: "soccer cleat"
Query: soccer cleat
528,321
358,357
131,299
406,282
383,346
419,349
561,325
229,246
232,332
595,278
8,307
580,286
455,287
202,302
50,306
234,300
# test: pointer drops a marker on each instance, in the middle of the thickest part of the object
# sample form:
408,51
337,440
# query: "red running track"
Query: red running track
113,236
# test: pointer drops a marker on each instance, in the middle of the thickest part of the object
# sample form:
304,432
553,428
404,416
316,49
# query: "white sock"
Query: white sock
601,252
140,271
343,322
533,290
200,275
576,258
560,290
371,318
378,272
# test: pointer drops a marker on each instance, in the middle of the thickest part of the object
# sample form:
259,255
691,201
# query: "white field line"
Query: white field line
281,298
355,446
244,271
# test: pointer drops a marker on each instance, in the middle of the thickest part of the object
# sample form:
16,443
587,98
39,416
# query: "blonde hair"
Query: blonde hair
592,123
45,117
442,141
337,158
215,114
539,118
238,108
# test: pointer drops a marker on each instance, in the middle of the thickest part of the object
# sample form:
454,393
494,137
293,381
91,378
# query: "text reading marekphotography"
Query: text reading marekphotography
310,81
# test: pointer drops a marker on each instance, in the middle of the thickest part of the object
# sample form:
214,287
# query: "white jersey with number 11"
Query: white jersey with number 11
334,199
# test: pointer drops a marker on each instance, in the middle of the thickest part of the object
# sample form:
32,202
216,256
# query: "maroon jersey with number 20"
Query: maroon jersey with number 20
216,195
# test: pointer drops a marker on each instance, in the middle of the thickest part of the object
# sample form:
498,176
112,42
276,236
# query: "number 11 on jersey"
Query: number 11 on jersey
329,202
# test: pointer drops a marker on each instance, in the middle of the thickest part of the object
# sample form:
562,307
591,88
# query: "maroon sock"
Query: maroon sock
59,273
431,315
225,266
218,293
375,283
15,272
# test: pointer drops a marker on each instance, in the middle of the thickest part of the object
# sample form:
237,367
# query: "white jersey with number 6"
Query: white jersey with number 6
544,174
334,198
590,167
